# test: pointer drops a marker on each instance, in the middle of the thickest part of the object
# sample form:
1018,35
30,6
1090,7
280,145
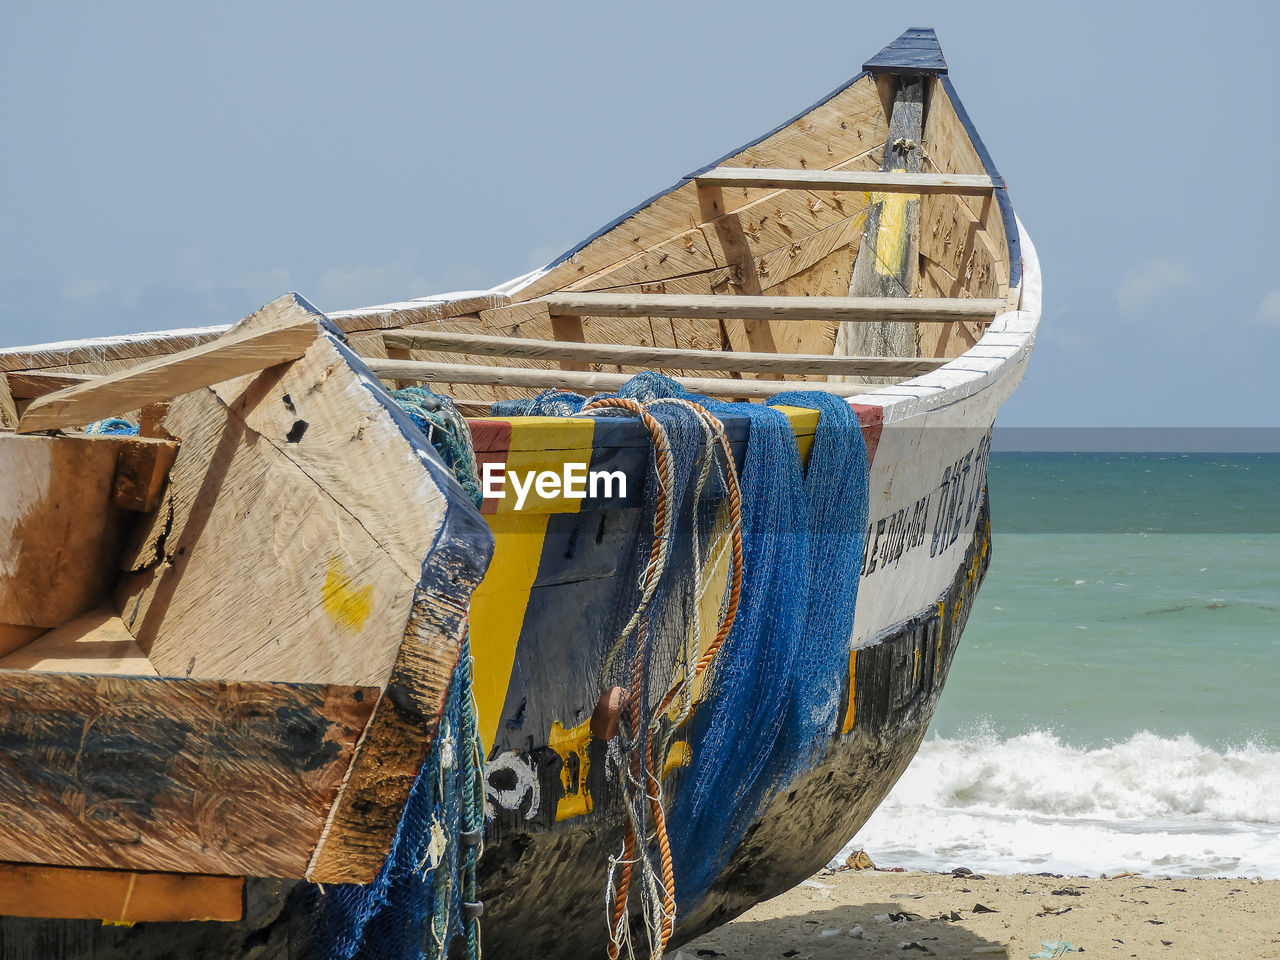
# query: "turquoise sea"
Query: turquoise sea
1115,702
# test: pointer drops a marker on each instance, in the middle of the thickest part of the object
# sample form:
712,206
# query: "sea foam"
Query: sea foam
1032,803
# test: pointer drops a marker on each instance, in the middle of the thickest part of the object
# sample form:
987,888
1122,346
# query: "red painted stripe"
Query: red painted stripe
872,419
492,441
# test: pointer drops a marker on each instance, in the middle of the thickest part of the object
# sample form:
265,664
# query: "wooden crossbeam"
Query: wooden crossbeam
774,178
659,357
846,309
585,382
279,332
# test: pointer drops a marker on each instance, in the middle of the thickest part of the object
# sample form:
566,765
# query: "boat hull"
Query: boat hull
548,844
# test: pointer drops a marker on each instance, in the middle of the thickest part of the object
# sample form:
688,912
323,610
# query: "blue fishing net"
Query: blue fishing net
774,691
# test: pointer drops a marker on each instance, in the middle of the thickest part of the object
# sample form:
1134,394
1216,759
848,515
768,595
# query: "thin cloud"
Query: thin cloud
1269,312
1146,285
341,288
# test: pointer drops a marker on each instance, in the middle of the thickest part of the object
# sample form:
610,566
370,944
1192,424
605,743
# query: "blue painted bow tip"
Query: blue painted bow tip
916,53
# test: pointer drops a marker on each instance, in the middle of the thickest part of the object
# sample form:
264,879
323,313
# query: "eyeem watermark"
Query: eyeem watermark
574,481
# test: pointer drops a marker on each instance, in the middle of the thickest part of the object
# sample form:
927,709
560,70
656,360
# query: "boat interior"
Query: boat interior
866,242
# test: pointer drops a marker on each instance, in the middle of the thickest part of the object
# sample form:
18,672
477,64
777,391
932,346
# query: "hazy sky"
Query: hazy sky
173,164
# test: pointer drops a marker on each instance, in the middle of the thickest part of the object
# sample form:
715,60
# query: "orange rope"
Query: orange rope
652,787
735,528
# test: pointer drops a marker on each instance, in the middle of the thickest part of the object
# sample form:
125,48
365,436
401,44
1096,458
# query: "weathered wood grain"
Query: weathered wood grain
96,355
958,184
252,568
117,896
60,532
8,411
25,385
284,330
657,357
585,382
190,776
94,642
854,309
141,471
845,125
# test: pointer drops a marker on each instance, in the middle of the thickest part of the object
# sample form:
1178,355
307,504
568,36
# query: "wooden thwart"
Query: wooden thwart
659,357
772,178
847,309
593,382
285,328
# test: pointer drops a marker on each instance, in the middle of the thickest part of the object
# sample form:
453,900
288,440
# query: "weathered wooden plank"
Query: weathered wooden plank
27,385
189,776
93,353
857,309
141,471
117,896
387,316
306,534
252,568
879,181
654,357
843,126
363,821
95,642
950,149
284,330
8,411
60,532
826,277
590,382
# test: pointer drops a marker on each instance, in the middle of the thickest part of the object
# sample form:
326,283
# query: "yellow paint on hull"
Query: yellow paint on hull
572,742
498,604
680,755
850,712
891,238
804,422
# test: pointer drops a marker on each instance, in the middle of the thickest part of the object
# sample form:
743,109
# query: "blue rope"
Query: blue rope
112,427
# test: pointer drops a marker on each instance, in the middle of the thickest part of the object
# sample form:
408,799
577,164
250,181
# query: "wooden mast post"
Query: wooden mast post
888,259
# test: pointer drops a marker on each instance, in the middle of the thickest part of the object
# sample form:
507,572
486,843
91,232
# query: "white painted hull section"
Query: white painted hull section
931,423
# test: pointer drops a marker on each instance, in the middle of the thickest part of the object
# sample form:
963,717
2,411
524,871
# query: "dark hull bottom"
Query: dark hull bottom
544,886
544,889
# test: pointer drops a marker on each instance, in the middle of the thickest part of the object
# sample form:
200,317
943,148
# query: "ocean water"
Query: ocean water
1115,702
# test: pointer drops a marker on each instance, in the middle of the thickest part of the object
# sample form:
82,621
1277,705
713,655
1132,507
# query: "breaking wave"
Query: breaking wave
1032,803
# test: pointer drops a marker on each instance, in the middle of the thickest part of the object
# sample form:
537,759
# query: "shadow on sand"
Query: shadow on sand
825,935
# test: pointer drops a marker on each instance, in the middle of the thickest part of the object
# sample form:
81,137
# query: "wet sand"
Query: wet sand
906,915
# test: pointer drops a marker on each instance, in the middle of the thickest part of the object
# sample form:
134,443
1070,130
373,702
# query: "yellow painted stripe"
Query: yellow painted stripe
577,797
804,422
891,238
498,604
851,710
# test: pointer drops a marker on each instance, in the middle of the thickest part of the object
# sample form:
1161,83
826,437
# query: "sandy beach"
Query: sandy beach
879,913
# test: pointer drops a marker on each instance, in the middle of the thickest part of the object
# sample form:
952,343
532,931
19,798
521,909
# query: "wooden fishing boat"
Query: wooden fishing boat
281,567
